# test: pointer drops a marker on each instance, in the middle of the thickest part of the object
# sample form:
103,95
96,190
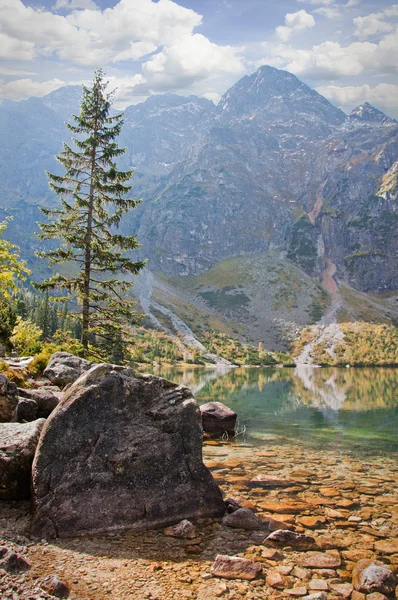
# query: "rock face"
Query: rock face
26,410
44,399
217,418
121,452
8,399
18,443
64,368
373,576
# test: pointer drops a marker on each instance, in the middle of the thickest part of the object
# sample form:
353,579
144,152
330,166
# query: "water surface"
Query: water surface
341,409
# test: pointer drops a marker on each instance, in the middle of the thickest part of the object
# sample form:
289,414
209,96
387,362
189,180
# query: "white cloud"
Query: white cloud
317,2
192,58
330,60
26,87
12,71
352,3
74,4
384,96
11,48
375,23
330,13
297,21
130,30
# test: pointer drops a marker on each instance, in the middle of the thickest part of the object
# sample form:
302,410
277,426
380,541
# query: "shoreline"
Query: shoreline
349,505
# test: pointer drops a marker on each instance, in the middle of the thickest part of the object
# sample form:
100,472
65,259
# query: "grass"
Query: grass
227,273
225,299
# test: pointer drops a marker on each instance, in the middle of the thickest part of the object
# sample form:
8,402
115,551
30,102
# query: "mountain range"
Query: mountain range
269,211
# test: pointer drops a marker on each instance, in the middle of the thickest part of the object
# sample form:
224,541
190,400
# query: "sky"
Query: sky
346,49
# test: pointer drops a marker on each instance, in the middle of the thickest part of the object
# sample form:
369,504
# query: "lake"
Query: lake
354,410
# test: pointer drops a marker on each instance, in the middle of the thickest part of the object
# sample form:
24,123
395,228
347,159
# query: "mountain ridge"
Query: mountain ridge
274,167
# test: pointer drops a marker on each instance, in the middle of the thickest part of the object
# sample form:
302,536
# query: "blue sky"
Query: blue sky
346,49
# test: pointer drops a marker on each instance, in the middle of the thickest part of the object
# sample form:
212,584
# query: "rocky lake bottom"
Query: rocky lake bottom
342,493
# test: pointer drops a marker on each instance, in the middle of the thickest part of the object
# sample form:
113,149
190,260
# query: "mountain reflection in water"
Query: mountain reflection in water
353,409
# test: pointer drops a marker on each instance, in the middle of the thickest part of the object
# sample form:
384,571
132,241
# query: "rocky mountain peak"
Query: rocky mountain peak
64,101
171,104
368,113
271,94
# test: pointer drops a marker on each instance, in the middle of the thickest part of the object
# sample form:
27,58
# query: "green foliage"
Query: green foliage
60,342
26,337
240,354
155,346
8,319
228,298
363,344
11,267
92,193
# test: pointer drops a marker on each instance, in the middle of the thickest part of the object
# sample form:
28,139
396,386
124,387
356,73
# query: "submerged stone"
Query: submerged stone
233,567
217,418
121,452
287,537
373,576
242,518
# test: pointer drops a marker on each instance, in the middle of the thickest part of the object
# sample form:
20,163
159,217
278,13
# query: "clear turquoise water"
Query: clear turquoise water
340,409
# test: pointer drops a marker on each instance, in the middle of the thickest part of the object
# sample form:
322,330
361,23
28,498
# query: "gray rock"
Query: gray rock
217,418
184,530
64,368
18,443
8,399
298,540
12,562
121,452
316,596
242,518
55,587
26,410
373,576
45,400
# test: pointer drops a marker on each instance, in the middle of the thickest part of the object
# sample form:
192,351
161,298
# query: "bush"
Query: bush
26,337
61,342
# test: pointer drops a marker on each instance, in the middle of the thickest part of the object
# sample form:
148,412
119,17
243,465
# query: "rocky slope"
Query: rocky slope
273,168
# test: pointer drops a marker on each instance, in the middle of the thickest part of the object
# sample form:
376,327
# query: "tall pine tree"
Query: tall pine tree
93,199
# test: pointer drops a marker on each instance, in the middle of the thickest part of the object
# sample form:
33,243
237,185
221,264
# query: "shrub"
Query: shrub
26,337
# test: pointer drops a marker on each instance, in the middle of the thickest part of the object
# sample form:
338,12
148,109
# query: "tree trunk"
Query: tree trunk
87,252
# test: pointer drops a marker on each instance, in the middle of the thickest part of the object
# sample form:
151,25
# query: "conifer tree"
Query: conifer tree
93,199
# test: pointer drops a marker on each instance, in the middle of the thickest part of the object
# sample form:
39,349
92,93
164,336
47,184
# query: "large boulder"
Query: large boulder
45,400
121,451
64,368
8,399
18,443
217,418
